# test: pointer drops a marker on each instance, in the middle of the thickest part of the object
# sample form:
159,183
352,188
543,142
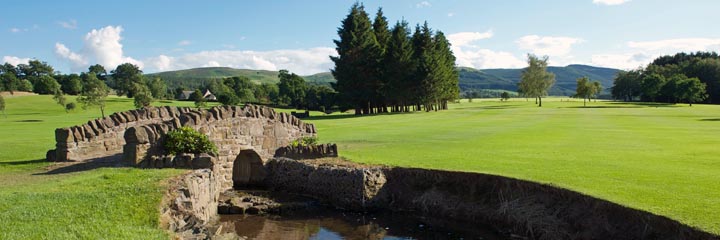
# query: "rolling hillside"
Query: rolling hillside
470,78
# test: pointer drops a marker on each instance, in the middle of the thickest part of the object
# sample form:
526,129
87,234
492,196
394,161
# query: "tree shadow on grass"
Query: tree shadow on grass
647,104
710,120
348,116
113,161
604,107
15,163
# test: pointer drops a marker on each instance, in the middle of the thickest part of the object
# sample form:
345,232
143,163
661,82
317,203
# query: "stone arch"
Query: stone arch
248,169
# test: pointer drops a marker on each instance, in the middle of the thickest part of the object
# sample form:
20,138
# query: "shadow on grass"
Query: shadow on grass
347,116
647,104
710,120
113,161
29,121
604,107
16,163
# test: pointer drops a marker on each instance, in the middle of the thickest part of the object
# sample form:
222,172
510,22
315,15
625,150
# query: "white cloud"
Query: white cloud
300,61
468,54
610,2
681,44
72,24
423,4
642,53
466,38
15,60
550,46
452,14
184,43
101,46
17,30
77,60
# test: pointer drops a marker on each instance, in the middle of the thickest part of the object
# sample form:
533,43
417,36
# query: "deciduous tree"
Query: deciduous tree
536,80
94,93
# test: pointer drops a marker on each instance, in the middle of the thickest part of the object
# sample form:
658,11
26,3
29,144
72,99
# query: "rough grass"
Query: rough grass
653,157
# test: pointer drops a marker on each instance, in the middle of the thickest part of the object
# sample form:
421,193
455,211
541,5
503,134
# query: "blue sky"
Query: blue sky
297,35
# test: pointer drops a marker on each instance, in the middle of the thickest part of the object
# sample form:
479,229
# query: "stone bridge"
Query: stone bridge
246,137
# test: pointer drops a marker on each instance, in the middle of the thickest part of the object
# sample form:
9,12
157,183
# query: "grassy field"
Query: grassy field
659,158
106,203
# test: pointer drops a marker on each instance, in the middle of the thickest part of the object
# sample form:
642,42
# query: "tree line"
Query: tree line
688,78
380,69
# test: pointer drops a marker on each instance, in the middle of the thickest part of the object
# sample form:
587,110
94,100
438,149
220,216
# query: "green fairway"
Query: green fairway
659,158
106,203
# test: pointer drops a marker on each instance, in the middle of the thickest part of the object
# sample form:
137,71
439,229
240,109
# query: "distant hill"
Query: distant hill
470,78
507,79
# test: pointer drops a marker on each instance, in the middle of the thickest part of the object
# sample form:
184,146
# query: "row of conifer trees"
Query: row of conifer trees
380,69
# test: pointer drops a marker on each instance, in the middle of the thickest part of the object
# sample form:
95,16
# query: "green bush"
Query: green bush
304,141
187,140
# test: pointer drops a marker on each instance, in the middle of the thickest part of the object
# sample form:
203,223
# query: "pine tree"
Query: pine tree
357,60
447,76
382,35
398,65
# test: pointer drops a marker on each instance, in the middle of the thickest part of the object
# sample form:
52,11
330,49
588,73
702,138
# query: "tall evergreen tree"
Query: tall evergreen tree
447,76
382,35
398,66
356,63
423,54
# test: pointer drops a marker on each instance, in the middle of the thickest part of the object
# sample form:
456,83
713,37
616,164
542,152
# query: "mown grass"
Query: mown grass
659,158
105,203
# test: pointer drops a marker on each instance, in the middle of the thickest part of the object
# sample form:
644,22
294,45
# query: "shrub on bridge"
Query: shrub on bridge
188,140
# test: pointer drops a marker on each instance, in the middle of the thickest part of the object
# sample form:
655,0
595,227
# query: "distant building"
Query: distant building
185,96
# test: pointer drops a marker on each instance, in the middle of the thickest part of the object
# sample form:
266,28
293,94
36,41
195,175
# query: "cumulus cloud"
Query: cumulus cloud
300,61
100,46
610,2
642,53
469,54
550,46
423,4
466,38
15,60
71,24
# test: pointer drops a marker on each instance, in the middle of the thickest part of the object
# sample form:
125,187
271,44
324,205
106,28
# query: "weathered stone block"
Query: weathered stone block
64,135
136,135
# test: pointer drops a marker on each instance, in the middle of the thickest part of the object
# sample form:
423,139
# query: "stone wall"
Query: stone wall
534,210
307,152
104,137
190,204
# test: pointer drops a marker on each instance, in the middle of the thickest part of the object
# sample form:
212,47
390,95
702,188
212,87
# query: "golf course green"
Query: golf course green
655,157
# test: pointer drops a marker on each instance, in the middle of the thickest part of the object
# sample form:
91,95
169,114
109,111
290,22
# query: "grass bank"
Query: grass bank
658,158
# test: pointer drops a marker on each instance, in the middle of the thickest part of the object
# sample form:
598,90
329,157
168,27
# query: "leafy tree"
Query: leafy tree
2,105
691,90
587,89
98,70
25,86
9,82
198,98
125,78
71,84
291,89
94,93
536,80
142,96
46,85
60,99
35,68
504,96
651,86
70,106
157,88
597,89
228,98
